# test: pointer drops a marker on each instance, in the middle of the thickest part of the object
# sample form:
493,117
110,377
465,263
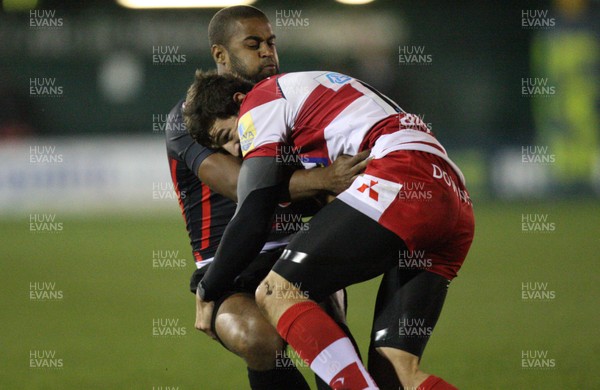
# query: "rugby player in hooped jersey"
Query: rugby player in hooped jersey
205,178
363,233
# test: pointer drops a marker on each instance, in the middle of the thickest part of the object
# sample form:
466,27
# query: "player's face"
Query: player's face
224,135
251,50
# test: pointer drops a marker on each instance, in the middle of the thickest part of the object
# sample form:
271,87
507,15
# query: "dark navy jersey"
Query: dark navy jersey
206,212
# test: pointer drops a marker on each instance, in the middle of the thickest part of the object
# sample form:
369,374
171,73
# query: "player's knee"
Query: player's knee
265,292
258,345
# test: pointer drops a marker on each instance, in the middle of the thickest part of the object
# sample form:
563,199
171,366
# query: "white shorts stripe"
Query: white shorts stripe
409,140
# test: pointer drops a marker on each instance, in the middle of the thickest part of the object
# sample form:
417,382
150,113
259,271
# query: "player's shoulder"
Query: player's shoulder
176,113
296,86
180,145
313,76
174,127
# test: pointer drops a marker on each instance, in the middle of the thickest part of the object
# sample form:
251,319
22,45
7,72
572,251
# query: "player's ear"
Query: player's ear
219,54
238,97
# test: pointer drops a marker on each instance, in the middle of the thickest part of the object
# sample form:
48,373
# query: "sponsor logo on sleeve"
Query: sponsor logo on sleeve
247,133
333,80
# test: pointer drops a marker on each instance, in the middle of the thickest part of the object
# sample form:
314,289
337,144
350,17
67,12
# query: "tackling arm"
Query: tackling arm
259,188
220,172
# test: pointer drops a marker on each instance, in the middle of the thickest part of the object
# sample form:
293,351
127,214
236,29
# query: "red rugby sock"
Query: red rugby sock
435,383
320,342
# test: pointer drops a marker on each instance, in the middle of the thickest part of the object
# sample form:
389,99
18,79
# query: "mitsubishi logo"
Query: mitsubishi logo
372,193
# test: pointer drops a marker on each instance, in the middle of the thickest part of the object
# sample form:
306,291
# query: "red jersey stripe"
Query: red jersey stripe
173,166
267,150
311,122
263,92
206,217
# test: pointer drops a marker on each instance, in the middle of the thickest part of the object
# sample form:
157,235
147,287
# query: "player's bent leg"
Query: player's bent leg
320,261
407,369
382,371
326,348
408,306
241,328
335,306
406,366
276,287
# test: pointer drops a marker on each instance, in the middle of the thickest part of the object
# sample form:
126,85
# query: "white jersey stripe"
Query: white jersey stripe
411,140
345,133
275,121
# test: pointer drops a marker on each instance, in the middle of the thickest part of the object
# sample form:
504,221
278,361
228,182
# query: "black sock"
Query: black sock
284,377
321,385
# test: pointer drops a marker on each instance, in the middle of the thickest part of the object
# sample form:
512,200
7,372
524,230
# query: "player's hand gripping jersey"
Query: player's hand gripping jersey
320,116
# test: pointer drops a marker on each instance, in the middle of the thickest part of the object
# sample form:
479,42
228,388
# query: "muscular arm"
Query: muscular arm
220,172
259,188
333,179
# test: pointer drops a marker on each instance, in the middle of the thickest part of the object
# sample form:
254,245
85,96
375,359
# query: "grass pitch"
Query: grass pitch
124,318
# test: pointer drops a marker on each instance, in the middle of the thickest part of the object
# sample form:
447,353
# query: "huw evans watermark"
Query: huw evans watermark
167,122
167,259
536,19
414,55
44,291
166,190
44,19
536,154
414,327
289,290
167,327
167,55
537,223
44,154
537,87
45,358
537,291
44,223
291,18
45,87
416,259
537,360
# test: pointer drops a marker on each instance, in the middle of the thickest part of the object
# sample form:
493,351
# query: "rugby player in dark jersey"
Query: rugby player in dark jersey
205,180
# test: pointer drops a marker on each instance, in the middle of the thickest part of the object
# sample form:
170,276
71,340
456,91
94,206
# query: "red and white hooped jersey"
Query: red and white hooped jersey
321,115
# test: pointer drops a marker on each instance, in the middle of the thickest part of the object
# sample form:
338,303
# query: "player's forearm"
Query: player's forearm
220,172
306,183
238,247
242,241
259,188
333,179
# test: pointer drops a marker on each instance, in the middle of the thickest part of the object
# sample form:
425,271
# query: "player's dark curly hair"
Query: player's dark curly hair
220,26
208,98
